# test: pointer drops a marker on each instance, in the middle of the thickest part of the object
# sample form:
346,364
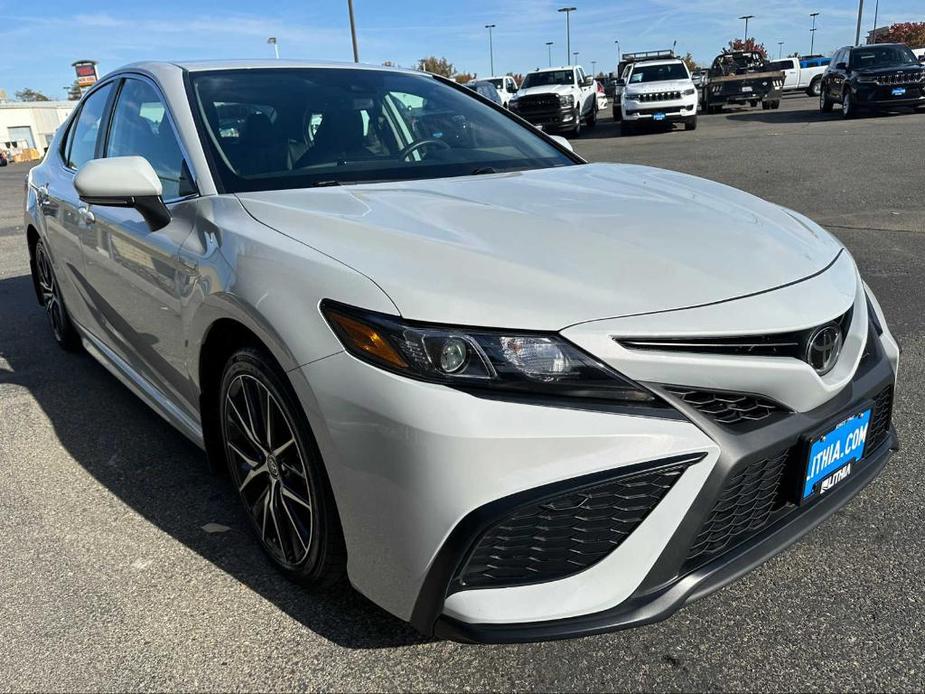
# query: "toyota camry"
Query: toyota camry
510,394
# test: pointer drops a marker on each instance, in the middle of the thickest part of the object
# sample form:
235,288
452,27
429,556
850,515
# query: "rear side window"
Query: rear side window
140,127
82,138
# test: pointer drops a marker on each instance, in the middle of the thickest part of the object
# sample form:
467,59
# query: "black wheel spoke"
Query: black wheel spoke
269,468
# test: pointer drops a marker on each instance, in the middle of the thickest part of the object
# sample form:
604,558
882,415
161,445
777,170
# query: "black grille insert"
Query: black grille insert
761,492
565,534
729,408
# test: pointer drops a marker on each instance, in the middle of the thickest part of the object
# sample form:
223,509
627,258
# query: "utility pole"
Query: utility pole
873,33
272,42
549,51
568,30
353,32
491,50
746,18
857,33
812,32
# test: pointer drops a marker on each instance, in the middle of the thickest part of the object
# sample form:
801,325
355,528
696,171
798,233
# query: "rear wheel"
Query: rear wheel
815,87
62,329
765,105
277,470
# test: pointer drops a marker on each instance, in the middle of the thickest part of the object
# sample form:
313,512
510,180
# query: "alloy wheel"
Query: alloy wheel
268,468
51,296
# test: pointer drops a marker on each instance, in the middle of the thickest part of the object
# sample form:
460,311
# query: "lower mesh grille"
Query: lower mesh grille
760,492
565,534
747,502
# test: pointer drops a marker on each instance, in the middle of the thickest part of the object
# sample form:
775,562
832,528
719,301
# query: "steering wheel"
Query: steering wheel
414,146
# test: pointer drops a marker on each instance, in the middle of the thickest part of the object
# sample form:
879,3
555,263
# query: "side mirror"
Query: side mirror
562,141
620,82
124,182
588,81
841,66
922,58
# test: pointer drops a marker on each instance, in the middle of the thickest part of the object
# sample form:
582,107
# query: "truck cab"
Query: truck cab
558,99
799,75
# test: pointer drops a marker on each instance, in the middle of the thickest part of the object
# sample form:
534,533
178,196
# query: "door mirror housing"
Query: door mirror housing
620,82
124,182
588,81
841,66
562,141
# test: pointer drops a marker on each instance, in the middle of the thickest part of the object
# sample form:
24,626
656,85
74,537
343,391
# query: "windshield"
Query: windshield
658,73
540,79
881,56
277,128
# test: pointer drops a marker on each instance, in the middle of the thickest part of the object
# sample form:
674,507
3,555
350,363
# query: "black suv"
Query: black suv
878,76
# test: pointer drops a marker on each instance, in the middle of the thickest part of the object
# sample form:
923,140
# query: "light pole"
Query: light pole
575,54
549,51
353,31
568,30
618,52
272,42
812,32
491,50
873,33
746,18
857,33
593,67
780,49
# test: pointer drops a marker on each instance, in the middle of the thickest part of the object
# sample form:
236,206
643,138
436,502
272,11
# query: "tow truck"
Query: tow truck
742,77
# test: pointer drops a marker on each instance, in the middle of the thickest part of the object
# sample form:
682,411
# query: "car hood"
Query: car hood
545,89
550,248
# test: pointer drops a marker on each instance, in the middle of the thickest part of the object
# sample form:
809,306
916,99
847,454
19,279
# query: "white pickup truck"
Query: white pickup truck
796,77
558,98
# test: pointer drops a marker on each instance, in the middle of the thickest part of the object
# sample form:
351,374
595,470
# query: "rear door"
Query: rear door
62,211
135,273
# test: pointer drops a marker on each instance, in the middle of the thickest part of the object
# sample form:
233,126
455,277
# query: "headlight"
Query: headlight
481,360
566,99
689,92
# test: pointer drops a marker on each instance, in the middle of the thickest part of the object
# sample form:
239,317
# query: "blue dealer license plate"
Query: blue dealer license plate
659,116
831,455
899,91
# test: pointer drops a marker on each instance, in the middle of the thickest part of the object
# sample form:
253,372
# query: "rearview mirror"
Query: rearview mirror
562,141
124,182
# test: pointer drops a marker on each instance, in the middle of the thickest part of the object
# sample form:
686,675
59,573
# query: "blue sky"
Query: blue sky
39,40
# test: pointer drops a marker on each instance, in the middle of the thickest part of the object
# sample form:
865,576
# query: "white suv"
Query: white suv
658,91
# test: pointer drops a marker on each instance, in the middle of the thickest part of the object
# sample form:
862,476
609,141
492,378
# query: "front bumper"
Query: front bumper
671,110
420,472
551,118
882,96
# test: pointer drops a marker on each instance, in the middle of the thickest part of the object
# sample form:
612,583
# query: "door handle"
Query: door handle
86,215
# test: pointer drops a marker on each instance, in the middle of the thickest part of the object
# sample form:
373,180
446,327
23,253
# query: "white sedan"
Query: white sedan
510,394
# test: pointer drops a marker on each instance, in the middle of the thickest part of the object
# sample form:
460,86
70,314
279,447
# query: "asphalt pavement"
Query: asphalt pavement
126,565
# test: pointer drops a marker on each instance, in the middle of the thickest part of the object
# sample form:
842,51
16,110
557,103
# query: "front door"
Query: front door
132,271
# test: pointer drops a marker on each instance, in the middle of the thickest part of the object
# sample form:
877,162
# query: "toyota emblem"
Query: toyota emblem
823,348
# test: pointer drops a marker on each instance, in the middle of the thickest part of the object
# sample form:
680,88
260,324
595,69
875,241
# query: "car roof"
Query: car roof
244,64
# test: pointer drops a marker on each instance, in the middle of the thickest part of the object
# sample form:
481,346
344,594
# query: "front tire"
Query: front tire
815,87
276,468
825,104
848,108
592,117
691,123
576,131
62,328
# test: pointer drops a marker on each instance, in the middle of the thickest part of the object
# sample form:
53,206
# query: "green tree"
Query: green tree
690,62
910,33
30,95
73,92
436,66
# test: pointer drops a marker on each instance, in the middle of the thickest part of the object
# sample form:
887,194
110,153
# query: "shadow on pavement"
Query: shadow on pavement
160,475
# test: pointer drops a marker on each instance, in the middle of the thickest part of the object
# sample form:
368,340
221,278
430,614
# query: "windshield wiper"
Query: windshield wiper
483,170
325,184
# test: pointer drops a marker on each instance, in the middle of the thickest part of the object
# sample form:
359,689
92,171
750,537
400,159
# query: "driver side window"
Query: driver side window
140,127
